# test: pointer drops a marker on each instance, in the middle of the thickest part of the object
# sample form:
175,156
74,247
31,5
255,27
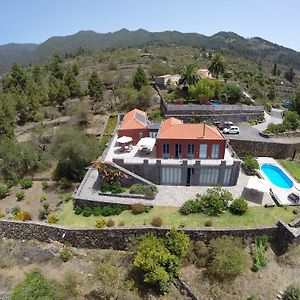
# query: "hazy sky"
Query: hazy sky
36,20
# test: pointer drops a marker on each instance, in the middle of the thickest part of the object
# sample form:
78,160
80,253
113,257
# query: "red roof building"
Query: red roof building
176,139
135,125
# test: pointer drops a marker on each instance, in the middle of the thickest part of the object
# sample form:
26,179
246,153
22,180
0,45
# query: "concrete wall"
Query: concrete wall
136,134
152,171
272,149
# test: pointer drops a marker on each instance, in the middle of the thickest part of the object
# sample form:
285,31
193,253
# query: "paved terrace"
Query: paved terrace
136,156
166,196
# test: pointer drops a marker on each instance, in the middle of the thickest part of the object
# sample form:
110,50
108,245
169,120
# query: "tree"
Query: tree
74,151
177,242
290,75
217,65
158,265
206,89
271,93
189,76
291,120
36,286
72,84
139,79
55,67
7,115
233,93
95,87
296,102
274,69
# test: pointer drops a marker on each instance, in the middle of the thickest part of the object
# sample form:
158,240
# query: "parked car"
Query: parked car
228,124
231,130
219,125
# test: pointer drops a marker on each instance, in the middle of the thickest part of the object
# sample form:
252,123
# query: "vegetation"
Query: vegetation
189,75
239,206
26,183
250,164
259,255
36,286
255,216
100,223
105,211
157,222
65,255
228,258
20,195
139,79
159,259
216,66
292,292
293,167
114,187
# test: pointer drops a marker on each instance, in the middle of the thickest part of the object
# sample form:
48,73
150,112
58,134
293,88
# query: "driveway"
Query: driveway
275,117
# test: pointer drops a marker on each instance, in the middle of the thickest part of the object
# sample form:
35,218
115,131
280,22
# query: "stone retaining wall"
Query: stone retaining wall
260,148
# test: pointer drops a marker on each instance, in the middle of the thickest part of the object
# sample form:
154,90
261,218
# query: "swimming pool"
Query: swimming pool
277,176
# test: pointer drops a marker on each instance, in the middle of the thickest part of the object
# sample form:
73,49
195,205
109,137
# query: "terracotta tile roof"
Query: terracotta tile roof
173,128
134,119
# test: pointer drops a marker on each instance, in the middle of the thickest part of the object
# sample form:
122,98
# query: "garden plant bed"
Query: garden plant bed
124,195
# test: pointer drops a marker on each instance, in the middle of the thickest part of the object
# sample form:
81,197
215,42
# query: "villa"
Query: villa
182,154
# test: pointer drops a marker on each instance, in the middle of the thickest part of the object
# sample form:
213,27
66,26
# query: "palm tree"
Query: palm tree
189,75
217,65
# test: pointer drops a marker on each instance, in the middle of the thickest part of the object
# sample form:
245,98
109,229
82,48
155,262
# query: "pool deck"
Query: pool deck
281,194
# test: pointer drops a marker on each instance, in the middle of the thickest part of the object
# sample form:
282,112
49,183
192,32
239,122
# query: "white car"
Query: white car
231,130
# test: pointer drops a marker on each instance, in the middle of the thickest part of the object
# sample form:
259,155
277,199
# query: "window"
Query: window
190,151
153,134
171,176
215,151
178,151
203,151
166,151
209,176
227,176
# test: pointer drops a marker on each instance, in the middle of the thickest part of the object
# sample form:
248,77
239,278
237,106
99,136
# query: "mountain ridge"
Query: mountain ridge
254,48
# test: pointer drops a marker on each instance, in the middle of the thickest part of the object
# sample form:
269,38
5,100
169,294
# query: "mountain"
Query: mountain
10,53
254,48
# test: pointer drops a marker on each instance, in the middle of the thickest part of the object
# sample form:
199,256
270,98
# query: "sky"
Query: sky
24,21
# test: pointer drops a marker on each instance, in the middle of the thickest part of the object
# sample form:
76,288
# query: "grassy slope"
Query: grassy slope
293,167
255,216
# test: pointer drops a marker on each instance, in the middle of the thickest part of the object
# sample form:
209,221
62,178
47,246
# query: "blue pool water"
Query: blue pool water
277,176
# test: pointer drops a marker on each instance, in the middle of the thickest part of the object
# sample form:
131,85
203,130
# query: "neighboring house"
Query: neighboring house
204,73
136,125
163,80
176,139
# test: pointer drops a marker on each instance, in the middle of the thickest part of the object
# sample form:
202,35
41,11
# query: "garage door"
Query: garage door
171,176
208,176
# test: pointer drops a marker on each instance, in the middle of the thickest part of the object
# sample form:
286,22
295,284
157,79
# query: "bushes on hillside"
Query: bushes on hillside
159,259
26,183
259,254
292,292
3,191
228,258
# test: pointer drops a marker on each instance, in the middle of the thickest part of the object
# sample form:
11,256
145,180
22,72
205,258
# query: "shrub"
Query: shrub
43,197
3,191
114,188
26,183
259,254
121,223
190,207
20,195
65,255
65,183
148,191
112,210
43,213
100,223
292,292
15,209
78,210
22,215
52,219
87,212
67,197
239,206
2,214
137,208
9,184
36,286
250,163
208,223
110,223
177,242
228,258
198,254
150,195
45,184
97,211
157,222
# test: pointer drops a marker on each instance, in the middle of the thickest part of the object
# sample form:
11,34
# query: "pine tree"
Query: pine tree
95,87
275,69
139,79
73,84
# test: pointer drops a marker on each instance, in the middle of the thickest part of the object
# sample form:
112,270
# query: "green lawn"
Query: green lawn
111,125
293,167
255,216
